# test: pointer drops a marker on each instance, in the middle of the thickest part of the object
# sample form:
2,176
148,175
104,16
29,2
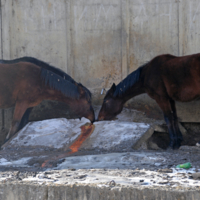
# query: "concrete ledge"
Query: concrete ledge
20,191
98,184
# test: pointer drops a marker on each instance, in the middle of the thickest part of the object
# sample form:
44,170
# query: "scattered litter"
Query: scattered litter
185,165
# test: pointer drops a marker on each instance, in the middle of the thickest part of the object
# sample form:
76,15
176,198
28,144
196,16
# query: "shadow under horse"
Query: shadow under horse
166,79
25,85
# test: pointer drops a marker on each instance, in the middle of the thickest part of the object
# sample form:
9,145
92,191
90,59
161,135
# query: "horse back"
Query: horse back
19,72
17,80
179,78
151,72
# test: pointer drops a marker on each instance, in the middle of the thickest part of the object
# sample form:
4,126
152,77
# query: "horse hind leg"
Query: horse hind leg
19,111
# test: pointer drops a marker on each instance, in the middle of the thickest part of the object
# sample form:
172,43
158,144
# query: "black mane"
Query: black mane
54,77
127,83
56,82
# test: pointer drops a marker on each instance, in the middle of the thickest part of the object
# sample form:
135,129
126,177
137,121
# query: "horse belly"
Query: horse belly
7,98
185,94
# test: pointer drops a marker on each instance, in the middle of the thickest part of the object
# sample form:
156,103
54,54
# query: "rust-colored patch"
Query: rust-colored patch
45,163
86,131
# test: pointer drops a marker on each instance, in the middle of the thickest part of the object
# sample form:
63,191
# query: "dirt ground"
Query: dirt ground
152,165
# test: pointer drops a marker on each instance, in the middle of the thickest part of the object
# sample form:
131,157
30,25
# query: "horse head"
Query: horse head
84,104
111,106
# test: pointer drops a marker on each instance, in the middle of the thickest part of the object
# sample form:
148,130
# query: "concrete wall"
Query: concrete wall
99,42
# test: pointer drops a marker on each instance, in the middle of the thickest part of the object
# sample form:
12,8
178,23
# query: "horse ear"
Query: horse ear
112,89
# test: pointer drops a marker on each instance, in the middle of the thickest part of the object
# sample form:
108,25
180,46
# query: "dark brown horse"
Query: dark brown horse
166,79
41,64
25,85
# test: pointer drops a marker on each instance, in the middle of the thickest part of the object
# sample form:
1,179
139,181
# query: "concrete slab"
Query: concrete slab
115,136
54,133
109,136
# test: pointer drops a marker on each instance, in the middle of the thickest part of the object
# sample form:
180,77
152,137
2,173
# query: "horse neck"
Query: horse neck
135,90
58,96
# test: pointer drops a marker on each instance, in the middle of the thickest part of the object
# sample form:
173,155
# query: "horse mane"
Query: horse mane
54,77
56,82
128,82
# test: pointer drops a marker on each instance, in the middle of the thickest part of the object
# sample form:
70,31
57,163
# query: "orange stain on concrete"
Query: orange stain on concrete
86,131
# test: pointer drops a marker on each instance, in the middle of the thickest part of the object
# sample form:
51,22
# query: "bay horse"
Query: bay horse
24,85
44,65
166,79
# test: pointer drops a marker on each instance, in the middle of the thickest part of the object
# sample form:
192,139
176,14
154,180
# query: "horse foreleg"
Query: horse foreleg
173,138
24,119
175,123
19,111
166,107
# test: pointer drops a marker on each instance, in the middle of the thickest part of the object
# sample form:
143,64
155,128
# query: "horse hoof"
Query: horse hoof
176,145
169,148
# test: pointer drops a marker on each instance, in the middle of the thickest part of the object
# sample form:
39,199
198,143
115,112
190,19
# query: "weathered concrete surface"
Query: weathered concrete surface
109,136
54,133
16,191
23,192
95,184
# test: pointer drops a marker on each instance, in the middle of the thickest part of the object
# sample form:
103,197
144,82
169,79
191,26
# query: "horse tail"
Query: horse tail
128,82
57,82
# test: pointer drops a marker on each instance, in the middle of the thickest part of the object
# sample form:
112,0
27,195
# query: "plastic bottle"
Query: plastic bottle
185,165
